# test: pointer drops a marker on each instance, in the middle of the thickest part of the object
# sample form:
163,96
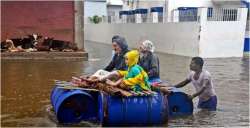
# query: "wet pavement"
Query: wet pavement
26,86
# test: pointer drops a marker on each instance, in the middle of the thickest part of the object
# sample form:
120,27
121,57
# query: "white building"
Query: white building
216,30
95,7
134,4
175,4
113,9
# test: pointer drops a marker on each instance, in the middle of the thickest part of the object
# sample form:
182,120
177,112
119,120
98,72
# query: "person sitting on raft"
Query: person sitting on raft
149,61
120,47
134,78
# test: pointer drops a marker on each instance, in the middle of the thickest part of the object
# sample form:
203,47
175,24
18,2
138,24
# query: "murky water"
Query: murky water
26,87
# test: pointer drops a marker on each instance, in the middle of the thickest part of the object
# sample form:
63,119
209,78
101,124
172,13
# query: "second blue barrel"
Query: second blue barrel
179,104
136,110
73,106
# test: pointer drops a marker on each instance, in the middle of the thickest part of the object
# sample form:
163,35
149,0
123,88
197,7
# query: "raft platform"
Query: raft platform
74,104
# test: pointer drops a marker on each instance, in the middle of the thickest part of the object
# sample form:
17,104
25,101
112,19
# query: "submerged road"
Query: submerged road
26,86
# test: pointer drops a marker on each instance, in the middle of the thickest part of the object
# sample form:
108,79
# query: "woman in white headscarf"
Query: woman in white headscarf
149,61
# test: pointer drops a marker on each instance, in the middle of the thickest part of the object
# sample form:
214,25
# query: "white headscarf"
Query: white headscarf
148,45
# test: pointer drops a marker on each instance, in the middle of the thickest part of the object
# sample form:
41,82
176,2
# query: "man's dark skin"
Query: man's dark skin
197,69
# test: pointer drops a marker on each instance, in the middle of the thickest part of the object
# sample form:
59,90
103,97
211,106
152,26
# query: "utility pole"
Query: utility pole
79,23
137,4
165,13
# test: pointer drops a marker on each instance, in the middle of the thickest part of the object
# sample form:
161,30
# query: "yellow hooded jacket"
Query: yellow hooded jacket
135,77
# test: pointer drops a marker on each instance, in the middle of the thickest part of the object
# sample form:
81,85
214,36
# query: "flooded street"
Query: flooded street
26,86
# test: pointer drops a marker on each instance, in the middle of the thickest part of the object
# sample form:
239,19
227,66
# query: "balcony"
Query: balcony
227,2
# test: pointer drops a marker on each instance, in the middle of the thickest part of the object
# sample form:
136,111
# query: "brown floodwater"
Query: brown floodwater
26,86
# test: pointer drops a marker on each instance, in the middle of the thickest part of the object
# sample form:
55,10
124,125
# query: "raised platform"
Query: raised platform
44,55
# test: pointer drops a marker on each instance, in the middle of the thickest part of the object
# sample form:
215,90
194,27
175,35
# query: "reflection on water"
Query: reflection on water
26,87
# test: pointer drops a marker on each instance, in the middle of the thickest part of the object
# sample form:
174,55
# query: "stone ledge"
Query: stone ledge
44,55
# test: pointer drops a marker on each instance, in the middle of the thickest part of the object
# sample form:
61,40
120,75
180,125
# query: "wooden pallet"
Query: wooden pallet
115,91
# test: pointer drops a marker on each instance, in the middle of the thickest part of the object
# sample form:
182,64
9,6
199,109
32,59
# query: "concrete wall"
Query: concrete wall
79,24
222,38
217,42
208,39
173,38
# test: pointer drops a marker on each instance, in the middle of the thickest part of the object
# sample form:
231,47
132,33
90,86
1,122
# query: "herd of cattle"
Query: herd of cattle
35,42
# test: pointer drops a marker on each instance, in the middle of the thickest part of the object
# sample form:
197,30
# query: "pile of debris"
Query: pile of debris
35,42
93,84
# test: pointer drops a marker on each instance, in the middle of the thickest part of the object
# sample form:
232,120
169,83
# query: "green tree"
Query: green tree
95,19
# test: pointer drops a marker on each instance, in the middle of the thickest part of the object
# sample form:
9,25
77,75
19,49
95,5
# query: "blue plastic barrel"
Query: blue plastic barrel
101,107
179,104
246,45
136,110
72,106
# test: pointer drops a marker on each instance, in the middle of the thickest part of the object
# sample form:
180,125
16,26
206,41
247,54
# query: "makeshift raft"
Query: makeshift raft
111,106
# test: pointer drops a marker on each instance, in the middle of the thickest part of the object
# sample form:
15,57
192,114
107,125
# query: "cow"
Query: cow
25,42
28,42
31,41
56,45
45,45
8,45
16,42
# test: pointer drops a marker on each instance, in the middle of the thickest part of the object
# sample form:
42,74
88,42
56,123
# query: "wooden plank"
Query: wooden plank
152,92
123,92
133,93
71,87
148,93
110,90
140,93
